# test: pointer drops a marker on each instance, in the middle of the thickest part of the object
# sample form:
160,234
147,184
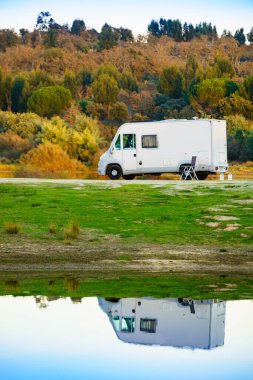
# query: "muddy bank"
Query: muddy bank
113,258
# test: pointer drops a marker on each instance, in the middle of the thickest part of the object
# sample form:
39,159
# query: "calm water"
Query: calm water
129,338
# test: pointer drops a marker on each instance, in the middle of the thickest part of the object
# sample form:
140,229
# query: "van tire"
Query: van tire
114,171
128,176
202,176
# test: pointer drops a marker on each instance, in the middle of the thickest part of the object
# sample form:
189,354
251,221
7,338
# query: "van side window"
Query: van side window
148,325
129,141
149,141
117,143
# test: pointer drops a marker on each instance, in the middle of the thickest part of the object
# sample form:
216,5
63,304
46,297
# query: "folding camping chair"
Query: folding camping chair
189,172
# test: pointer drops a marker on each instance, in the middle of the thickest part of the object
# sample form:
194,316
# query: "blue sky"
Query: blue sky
225,14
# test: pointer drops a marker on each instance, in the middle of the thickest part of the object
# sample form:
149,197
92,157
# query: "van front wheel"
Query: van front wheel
114,171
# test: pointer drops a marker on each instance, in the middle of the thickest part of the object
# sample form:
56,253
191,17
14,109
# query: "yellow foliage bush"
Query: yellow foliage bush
26,125
51,158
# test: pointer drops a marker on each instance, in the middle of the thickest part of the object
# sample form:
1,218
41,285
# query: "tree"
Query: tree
236,104
70,82
125,34
110,70
50,38
240,146
154,29
209,93
24,35
39,78
85,79
19,94
192,73
1,88
8,38
177,30
223,68
7,86
105,90
247,88
128,81
240,37
119,112
226,33
44,21
35,37
250,36
171,82
49,101
188,32
231,87
78,26
236,122
108,37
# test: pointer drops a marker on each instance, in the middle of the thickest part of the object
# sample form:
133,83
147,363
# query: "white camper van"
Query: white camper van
176,322
166,147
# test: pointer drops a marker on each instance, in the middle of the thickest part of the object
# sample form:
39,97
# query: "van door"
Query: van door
129,152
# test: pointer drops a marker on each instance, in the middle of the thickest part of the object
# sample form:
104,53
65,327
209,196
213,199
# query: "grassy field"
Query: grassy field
217,214
157,238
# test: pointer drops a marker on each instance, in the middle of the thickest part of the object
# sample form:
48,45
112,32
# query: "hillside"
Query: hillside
65,90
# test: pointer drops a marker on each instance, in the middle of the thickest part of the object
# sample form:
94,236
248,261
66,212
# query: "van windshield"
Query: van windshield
117,143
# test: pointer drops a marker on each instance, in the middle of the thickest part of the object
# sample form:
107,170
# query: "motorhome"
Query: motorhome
166,146
176,322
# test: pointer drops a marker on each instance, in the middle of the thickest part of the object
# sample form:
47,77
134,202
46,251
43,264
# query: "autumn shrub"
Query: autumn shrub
79,141
11,228
71,284
119,112
25,125
210,92
12,145
52,158
71,231
235,122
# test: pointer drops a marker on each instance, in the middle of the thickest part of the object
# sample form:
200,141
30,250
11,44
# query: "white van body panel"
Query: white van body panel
198,324
177,142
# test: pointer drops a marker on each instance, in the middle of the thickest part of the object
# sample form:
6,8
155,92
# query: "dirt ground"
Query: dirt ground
112,257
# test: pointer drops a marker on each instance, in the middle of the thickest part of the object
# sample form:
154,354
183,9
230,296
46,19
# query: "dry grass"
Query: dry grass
11,228
52,228
71,231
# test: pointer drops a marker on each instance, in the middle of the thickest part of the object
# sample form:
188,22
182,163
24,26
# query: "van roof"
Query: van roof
168,121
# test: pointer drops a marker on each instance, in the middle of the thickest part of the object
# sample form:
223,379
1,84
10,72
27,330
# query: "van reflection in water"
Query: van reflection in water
176,322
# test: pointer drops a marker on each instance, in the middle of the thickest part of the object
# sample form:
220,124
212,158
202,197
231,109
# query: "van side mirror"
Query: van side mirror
111,150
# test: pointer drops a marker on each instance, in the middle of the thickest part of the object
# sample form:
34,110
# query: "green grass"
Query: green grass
134,213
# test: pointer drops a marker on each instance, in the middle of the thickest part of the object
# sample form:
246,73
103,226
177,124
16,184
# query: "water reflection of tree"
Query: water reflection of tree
43,302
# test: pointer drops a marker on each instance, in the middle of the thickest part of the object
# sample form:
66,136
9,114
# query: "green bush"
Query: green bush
49,101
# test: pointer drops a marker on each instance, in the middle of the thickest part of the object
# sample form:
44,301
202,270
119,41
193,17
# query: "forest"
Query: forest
65,89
